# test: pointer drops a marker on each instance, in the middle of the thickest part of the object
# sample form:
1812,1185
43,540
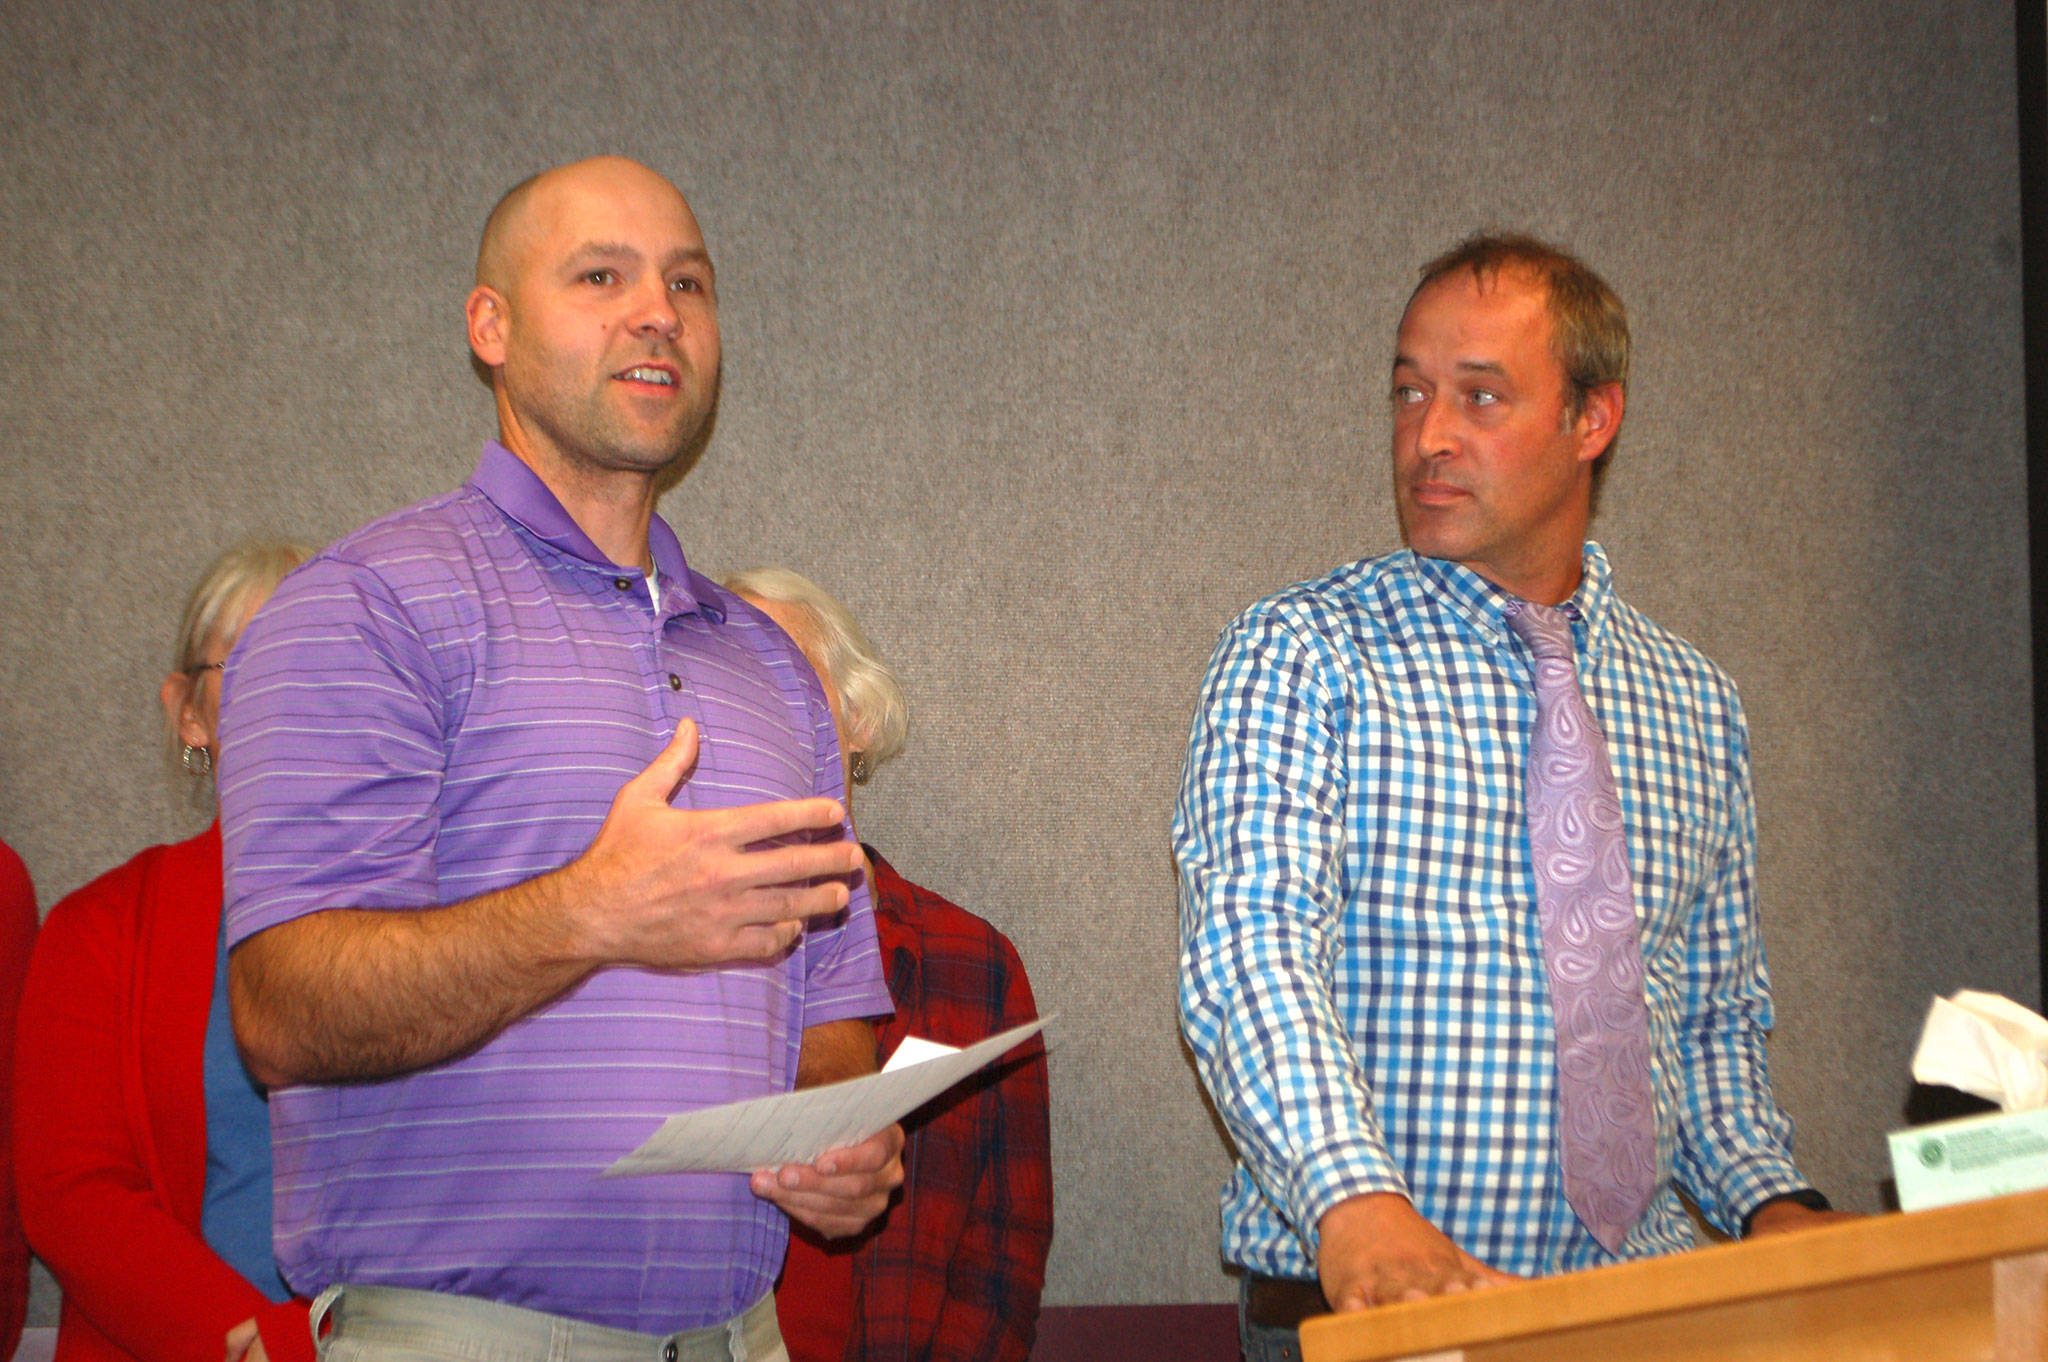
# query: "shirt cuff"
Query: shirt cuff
1808,1197
1746,1186
1337,1168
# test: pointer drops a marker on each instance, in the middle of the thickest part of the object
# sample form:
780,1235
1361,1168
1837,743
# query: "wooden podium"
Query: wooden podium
1953,1284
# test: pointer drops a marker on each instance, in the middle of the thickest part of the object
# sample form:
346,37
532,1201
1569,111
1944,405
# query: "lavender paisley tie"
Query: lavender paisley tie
1586,903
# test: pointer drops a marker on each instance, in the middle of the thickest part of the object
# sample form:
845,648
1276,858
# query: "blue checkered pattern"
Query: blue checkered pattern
1362,976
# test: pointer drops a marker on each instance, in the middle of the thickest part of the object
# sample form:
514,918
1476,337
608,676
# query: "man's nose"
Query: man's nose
1435,427
655,312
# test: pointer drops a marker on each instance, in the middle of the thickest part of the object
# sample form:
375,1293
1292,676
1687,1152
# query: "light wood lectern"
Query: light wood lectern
1958,1284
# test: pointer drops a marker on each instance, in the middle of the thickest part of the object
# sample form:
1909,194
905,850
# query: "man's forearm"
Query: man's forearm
835,1050
346,995
349,995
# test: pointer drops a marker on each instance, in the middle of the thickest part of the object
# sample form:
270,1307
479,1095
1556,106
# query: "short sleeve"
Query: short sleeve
842,961
332,755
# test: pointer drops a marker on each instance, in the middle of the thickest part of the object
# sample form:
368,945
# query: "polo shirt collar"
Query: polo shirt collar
1483,605
516,490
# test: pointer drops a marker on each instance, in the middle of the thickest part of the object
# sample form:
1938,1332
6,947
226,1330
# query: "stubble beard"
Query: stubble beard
1427,539
592,435
1407,516
1455,534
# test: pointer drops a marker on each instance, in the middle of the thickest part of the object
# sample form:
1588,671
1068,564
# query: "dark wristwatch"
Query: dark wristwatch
1805,1196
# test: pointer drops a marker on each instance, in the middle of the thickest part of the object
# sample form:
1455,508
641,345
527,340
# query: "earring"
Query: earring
198,760
860,768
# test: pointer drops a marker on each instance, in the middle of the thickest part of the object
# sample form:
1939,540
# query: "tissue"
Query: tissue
1987,1046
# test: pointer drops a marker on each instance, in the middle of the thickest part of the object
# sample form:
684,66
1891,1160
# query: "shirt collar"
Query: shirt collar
1484,606
519,493
897,939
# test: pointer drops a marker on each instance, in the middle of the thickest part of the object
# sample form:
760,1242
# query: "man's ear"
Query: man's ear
1599,422
488,324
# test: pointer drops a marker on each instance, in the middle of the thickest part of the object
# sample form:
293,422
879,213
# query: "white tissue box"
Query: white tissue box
1970,1159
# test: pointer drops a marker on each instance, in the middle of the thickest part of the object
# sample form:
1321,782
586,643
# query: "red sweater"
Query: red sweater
17,938
110,1110
953,1269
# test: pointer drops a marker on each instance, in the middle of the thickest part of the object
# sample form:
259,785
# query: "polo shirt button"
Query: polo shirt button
674,682
622,583
668,1351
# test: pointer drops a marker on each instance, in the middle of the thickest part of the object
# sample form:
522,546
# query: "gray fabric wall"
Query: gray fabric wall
1056,334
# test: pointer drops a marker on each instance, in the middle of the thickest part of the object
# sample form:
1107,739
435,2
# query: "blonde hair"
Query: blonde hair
249,569
877,716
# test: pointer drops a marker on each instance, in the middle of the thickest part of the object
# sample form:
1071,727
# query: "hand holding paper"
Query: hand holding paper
844,1190
798,1127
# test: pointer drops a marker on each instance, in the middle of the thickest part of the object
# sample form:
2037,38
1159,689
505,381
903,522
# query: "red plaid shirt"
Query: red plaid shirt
954,1268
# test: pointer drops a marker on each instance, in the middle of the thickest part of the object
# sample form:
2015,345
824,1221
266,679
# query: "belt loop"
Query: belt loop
736,1337
317,1315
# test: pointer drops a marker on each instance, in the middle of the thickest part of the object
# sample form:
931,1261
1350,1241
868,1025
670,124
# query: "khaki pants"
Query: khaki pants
392,1324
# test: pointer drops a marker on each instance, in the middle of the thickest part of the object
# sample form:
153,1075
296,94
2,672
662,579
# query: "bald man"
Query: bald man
534,836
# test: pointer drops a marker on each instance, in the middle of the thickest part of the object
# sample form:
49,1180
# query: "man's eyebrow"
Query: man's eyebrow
1463,366
1481,366
689,255
604,250
620,251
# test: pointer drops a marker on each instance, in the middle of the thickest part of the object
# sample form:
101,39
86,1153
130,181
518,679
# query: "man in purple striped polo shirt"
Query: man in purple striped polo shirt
534,837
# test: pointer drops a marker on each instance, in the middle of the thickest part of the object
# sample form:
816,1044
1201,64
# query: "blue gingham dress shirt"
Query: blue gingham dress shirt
1362,976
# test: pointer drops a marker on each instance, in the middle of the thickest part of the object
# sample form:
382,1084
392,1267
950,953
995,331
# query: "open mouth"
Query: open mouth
648,373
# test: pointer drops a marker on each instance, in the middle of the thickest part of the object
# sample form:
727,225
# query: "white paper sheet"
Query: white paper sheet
916,1050
796,1127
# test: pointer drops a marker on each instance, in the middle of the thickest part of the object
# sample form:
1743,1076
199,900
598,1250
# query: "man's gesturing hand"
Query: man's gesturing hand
352,994
674,888
843,1191
1377,1249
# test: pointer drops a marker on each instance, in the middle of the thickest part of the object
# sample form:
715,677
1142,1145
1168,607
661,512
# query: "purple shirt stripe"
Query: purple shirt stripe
444,703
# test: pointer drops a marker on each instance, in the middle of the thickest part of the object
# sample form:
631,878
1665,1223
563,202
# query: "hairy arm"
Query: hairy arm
835,1050
350,994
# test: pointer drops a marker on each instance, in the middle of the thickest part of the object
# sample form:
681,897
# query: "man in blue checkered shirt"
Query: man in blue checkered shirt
1363,979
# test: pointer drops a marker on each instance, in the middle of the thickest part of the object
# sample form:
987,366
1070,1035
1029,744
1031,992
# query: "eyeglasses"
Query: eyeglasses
198,667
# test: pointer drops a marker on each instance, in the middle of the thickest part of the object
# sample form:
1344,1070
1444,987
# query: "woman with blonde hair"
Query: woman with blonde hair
142,1148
